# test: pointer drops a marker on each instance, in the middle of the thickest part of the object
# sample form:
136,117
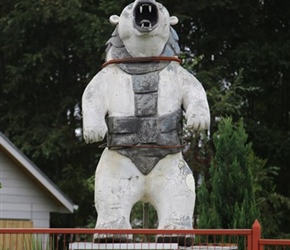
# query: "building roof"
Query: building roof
36,174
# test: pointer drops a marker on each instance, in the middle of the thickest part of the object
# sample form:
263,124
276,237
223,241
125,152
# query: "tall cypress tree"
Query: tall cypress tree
227,200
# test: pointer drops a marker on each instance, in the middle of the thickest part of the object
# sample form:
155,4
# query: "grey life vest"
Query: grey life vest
145,137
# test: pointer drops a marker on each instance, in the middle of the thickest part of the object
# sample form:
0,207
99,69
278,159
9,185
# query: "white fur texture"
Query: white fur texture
119,184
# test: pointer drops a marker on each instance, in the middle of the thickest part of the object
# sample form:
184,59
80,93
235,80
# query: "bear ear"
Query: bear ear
114,19
173,20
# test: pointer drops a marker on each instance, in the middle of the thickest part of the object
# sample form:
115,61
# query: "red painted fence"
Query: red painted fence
204,239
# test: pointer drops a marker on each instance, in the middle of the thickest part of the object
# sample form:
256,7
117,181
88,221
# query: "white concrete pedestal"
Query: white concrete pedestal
142,246
119,246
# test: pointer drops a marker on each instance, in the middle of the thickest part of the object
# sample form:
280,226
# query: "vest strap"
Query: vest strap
149,59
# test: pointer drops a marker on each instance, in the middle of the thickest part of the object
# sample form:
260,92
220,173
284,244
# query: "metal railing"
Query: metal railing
269,244
79,239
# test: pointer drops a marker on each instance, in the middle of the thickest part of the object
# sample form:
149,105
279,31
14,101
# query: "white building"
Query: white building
27,196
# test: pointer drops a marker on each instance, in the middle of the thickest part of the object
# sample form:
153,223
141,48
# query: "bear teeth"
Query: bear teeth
149,8
146,16
148,24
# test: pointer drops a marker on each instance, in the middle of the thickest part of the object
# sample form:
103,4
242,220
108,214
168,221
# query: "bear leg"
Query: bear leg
172,193
118,186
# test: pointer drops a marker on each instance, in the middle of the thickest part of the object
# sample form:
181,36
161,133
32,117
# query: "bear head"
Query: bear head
143,30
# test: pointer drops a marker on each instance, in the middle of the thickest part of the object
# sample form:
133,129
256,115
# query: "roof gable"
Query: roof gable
36,174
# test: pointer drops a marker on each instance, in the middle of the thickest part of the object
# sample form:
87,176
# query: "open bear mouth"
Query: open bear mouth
146,16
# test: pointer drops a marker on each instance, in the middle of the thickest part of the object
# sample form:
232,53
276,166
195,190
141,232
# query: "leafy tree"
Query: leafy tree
246,40
236,172
46,60
270,202
229,200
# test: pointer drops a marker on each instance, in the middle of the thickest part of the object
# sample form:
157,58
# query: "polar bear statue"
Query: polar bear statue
137,101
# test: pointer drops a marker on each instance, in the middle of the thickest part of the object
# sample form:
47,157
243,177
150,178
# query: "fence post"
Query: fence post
256,235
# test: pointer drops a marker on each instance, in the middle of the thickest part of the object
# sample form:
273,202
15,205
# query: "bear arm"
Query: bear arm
94,105
195,103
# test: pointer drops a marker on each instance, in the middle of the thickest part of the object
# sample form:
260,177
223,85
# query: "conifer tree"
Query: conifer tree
227,200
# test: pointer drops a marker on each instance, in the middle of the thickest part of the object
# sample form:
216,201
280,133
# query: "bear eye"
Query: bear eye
146,15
